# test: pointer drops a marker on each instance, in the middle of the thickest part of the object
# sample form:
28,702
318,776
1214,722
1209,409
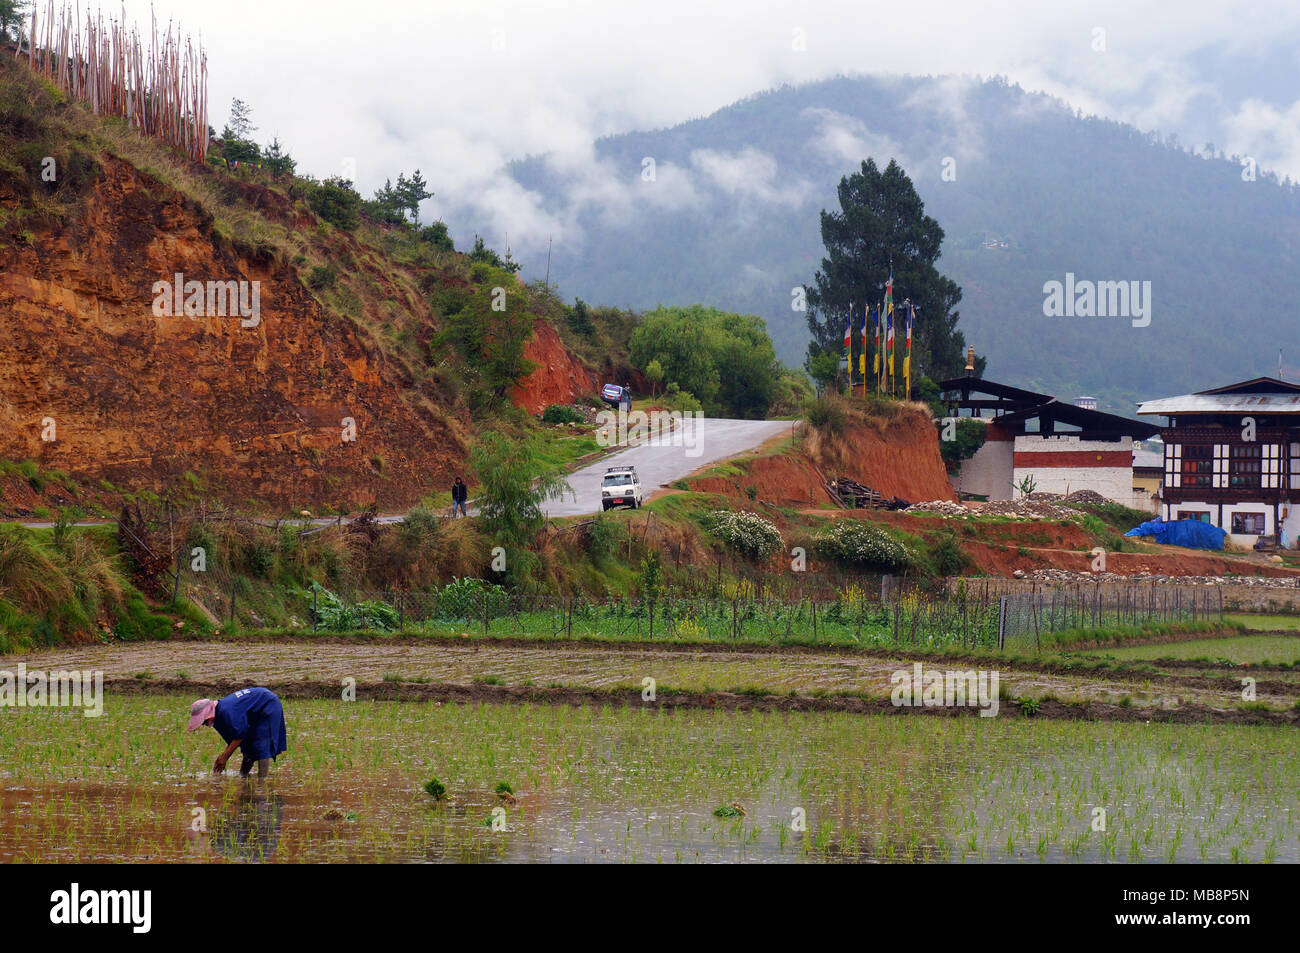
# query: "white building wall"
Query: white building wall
1291,524
1142,500
988,472
1114,483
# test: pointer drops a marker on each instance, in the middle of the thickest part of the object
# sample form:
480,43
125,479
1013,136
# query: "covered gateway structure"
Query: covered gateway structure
1061,447
1232,458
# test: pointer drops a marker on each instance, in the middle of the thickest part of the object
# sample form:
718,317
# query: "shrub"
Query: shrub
436,235
826,413
322,277
465,598
864,546
420,527
337,202
746,533
259,559
968,435
561,414
604,535
947,556
675,398
335,615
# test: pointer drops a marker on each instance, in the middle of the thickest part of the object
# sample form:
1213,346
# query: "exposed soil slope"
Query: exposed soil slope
243,410
139,400
895,455
557,378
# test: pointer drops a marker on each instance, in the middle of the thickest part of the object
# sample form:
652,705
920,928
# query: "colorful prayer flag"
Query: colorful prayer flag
862,356
875,320
907,354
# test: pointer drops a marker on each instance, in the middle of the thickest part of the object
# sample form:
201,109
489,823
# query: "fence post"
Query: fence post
176,587
1002,622
315,616
1033,606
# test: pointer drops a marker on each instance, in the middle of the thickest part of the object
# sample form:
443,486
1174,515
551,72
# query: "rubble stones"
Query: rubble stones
1026,509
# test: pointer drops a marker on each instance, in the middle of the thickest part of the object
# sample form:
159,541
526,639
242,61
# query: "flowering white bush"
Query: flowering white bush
864,545
747,533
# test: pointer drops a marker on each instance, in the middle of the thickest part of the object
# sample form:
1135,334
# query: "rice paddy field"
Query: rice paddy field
636,785
1265,623
1249,649
1156,759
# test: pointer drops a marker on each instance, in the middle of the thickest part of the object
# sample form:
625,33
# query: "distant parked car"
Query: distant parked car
621,487
616,396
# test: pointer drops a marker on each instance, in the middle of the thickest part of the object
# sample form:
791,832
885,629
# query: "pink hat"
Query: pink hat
201,711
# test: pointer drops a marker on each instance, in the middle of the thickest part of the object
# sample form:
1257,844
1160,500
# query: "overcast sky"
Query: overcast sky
459,88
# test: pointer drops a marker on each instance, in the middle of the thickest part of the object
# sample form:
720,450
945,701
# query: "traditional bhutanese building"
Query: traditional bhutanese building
1059,446
1232,458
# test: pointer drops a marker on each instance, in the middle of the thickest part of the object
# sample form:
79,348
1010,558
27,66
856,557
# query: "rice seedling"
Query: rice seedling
435,789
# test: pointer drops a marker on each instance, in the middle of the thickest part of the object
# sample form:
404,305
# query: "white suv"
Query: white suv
621,487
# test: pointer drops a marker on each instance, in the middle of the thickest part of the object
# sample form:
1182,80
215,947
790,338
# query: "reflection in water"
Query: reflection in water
250,830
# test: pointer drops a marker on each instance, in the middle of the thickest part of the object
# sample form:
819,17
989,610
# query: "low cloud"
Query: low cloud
750,173
846,141
1269,135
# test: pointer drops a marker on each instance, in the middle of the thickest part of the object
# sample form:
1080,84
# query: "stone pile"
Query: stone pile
1070,576
1033,509
941,507
1028,509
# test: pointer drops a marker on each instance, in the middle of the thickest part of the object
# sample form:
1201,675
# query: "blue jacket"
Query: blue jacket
256,716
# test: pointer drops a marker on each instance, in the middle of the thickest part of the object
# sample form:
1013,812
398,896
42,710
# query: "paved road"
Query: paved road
657,463
659,466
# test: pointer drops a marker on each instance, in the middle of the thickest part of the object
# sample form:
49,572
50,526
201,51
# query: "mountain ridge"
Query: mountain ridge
730,218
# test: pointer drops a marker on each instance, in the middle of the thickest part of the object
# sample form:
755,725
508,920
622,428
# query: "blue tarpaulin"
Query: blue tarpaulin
1191,533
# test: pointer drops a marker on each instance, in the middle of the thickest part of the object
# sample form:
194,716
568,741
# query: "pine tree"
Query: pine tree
240,125
411,192
277,160
12,13
881,216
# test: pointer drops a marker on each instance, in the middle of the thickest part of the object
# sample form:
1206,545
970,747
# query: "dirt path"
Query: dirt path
602,668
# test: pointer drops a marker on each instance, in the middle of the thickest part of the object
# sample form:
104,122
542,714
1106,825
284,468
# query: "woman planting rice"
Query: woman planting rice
251,720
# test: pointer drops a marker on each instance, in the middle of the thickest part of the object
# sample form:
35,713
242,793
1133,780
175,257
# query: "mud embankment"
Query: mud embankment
719,701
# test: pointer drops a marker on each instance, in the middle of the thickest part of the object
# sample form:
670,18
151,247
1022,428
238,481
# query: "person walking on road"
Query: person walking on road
252,720
459,493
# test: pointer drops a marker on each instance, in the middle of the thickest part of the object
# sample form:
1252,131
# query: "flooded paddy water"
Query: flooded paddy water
636,785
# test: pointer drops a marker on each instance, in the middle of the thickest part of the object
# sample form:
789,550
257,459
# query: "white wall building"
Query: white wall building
1059,447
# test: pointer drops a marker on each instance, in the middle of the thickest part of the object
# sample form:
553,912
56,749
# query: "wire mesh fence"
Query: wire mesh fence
890,612
1025,618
